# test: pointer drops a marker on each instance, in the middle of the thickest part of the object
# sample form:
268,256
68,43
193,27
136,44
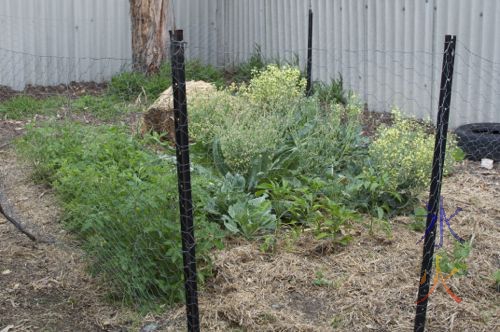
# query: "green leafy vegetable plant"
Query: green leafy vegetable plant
456,259
250,217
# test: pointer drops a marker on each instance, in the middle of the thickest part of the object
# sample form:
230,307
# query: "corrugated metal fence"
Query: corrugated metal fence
47,42
388,51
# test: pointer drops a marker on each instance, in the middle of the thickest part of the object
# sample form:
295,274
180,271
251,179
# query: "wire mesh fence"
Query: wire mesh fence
436,179
265,159
184,178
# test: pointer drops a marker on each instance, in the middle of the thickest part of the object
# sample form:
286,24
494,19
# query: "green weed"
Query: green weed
420,219
332,93
268,244
121,201
22,107
103,107
129,86
457,259
320,280
496,278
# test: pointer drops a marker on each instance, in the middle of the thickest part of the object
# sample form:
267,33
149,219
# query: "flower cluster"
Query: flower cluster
274,87
241,117
404,151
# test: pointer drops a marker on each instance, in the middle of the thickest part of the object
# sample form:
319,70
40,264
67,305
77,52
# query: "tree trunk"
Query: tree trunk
149,34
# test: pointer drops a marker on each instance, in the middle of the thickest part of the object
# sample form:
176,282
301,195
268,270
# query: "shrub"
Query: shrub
271,119
122,202
249,137
275,88
236,128
404,152
238,120
208,114
397,168
327,142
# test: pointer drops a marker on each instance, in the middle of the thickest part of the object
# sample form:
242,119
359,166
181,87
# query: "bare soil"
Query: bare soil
372,120
303,285
44,285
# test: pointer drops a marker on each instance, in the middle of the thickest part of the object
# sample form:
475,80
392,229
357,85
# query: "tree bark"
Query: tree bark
149,34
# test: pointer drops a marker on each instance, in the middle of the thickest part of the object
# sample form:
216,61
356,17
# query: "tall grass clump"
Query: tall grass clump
244,71
332,93
121,201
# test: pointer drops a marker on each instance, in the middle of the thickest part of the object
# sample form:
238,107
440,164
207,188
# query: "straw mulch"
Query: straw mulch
159,117
369,285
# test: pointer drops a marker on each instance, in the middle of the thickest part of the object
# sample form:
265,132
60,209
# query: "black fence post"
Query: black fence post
309,54
184,178
436,179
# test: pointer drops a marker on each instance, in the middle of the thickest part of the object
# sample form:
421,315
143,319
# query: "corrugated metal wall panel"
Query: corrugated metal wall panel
397,63
199,20
47,42
476,90
275,26
389,52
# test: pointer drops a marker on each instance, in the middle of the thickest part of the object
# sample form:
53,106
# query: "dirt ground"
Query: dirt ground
44,285
304,285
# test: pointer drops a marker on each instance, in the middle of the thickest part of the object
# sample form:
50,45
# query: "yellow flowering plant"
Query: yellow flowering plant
275,87
404,151
248,120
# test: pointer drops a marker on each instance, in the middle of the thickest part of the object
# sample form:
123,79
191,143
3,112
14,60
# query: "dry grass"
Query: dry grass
159,117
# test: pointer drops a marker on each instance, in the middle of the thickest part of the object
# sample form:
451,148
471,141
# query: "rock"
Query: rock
160,116
150,327
487,163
